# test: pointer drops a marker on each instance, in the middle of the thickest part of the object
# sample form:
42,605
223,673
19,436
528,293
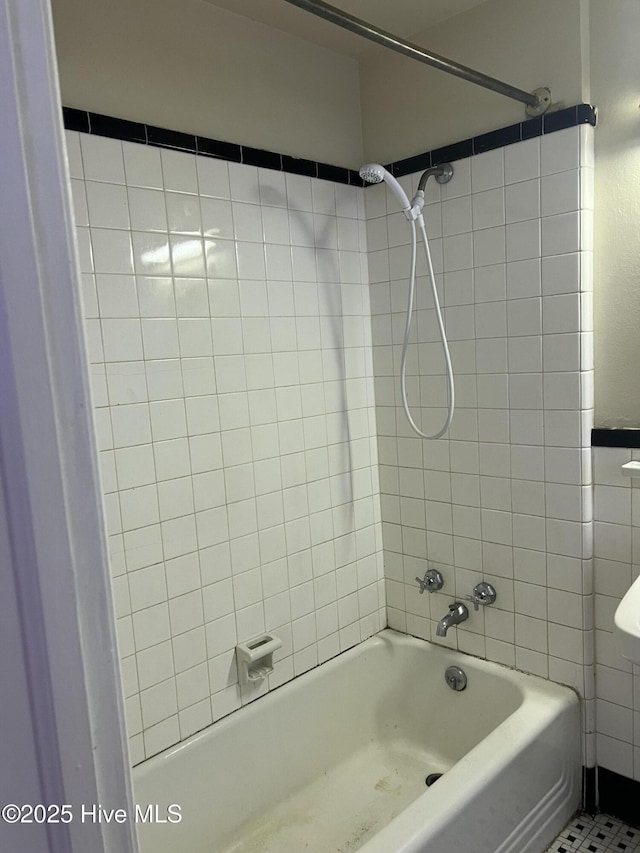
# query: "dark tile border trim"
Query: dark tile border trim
618,796
589,790
118,128
146,134
160,137
549,123
615,437
75,120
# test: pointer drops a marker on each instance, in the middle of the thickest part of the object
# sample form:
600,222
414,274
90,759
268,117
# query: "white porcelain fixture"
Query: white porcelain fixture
627,624
337,760
254,658
631,469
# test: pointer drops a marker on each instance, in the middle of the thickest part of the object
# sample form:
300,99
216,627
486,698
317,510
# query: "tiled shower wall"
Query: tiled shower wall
506,495
229,335
617,565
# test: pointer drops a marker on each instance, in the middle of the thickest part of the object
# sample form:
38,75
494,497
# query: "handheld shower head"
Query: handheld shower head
374,173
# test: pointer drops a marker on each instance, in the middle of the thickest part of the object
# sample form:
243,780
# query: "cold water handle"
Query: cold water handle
483,593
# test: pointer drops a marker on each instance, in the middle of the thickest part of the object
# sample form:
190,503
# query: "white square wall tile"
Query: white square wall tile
522,161
179,171
251,260
164,379
525,354
489,246
131,425
155,297
561,313
183,213
561,233
488,208
168,419
458,252
456,216
142,165
195,337
560,151
160,338
612,541
151,626
562,352
147,209
523,240
186,612
112,250
192,686
244,183
151,254
272,187
490,283
195,718
117,295
213,177
147,587
560,193
189,649
607,462
188,255
122,339
217,219
524,317
522,201
107,205
102,159
487,170
175,498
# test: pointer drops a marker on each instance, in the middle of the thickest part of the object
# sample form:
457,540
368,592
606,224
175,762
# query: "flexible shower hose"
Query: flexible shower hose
407,332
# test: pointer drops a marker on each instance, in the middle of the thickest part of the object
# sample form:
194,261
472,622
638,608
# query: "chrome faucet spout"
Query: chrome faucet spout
457,613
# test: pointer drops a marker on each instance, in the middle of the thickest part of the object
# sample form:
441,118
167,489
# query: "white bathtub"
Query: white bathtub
336,761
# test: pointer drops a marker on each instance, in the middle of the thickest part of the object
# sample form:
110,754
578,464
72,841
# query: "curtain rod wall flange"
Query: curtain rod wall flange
536,102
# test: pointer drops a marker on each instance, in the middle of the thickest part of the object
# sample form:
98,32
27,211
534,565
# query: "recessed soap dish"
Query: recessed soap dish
254,658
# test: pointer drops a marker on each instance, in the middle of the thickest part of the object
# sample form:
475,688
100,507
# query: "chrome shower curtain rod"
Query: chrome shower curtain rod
536,102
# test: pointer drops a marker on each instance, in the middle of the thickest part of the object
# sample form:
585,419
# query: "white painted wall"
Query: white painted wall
615,87
407,108
191,66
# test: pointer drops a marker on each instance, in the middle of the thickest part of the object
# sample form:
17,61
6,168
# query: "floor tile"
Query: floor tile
602,834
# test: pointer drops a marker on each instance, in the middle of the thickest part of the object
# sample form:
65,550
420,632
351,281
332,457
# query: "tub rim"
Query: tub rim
529,685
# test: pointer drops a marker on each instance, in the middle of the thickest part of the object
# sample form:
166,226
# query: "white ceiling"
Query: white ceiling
403,18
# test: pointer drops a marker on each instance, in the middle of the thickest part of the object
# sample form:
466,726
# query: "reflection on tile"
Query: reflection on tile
187,256
151,253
